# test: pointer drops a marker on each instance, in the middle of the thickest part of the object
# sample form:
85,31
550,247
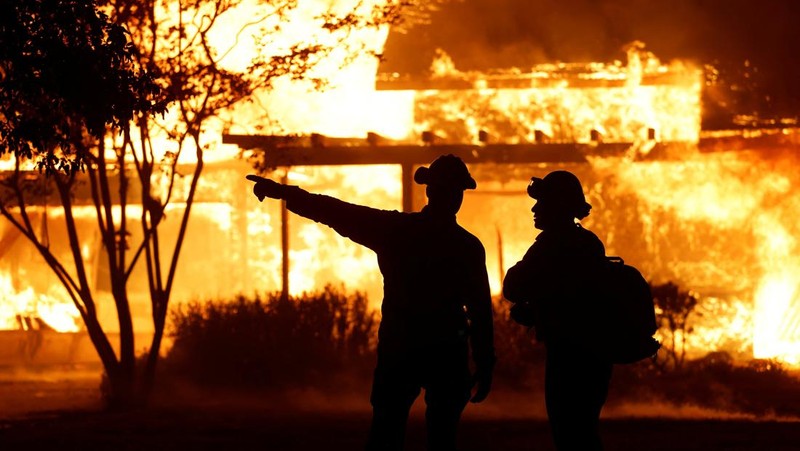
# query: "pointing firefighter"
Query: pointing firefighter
552,290
436,301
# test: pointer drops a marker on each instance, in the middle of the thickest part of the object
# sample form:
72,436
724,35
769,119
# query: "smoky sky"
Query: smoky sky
487,34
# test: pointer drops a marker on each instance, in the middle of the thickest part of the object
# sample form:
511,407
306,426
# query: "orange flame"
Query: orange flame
737,194
21,309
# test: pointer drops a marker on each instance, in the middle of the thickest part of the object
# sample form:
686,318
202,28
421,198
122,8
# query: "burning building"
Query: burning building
705,208
711,210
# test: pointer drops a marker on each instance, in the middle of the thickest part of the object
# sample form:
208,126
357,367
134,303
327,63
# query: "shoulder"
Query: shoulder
575,240
590,241
471,241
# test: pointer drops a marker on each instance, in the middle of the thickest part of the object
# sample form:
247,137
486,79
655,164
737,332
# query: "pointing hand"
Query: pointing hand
265,187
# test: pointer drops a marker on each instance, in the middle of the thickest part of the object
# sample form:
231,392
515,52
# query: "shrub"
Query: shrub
326,340
674,306
315,339
715,381
519,355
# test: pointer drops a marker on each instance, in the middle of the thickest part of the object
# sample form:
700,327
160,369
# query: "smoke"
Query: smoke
516,405
478,33
754,43
665,410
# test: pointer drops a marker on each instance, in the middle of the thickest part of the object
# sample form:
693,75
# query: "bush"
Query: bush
321,340
715,381
520,358
317,339
326,340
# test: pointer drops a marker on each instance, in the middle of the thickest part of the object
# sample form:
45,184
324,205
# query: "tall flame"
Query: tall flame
752,200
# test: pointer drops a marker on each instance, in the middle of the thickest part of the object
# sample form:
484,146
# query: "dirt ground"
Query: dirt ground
45,410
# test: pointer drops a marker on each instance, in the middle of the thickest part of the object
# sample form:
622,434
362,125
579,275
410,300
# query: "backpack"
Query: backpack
627,319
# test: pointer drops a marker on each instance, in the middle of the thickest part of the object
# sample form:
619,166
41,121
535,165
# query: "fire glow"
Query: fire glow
21,309
747,200
751,200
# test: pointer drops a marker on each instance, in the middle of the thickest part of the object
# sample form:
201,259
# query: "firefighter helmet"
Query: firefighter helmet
446,170
562,187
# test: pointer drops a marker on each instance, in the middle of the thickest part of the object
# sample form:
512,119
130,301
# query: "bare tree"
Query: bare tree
674,308
161,57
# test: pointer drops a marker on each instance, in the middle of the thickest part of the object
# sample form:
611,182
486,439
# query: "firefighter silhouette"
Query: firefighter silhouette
552,284
436,304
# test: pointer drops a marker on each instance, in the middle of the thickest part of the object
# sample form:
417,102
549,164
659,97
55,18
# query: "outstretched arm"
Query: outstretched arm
364,225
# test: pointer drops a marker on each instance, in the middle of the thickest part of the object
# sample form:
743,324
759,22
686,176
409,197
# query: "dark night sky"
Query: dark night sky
483,34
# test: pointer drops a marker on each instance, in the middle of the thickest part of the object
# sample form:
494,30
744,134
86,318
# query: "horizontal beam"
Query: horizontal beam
394,82
280,154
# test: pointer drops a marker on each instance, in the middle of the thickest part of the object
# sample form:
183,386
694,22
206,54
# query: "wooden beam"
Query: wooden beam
287,154
408,187
574,78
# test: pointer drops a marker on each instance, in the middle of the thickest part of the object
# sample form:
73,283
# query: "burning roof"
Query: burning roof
748,48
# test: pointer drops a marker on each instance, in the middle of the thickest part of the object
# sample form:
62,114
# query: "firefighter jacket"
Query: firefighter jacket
558,277
436,289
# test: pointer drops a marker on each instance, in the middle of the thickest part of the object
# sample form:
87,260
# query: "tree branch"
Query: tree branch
64,188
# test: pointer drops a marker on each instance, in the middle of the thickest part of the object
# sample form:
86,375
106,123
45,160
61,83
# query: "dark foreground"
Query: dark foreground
61,411
237,430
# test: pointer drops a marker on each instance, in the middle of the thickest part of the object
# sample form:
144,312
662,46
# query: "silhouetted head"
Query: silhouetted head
446,179
559,200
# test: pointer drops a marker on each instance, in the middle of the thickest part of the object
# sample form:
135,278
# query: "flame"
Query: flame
19,307
753,201
777,334
348,106
622,104
318,255
725,324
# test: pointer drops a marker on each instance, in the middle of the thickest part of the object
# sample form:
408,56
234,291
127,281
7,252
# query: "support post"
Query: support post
284,243
408,187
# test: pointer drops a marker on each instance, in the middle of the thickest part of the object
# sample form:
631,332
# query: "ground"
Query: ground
61,411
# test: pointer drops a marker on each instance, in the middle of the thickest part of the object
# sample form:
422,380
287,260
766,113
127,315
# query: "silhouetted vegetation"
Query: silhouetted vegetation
326,340
674,307
716,381
318,339
518,353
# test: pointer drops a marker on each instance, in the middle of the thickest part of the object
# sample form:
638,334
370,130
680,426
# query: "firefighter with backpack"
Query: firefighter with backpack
552,288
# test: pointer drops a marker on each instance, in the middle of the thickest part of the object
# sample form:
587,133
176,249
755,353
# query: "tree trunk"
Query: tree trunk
119,390
121,387
159,322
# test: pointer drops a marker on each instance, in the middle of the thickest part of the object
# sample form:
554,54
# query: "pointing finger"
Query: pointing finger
256,178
